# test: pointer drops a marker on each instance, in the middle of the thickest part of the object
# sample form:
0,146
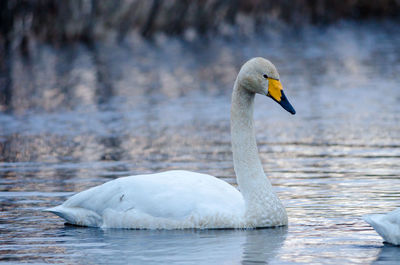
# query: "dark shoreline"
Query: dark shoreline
88,20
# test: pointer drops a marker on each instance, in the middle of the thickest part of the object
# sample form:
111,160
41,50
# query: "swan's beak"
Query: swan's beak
275,92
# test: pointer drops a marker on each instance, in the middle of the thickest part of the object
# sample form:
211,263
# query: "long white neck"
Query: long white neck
263,207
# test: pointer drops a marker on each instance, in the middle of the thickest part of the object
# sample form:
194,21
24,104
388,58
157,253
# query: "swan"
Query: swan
181,199
386,225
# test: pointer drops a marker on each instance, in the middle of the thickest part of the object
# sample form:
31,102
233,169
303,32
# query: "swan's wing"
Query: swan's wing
172,195
386,225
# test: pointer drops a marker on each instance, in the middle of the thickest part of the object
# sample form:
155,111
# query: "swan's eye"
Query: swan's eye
265,76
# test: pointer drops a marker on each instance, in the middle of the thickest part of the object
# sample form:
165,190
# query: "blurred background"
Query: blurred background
87,20
29,29
93,90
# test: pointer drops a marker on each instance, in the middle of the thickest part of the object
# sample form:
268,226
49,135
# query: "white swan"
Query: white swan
386,225
183,199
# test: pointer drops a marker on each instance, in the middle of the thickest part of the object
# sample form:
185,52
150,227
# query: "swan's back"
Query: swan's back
172,199
386,225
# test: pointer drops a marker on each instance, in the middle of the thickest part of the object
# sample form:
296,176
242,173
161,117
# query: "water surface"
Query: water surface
80,115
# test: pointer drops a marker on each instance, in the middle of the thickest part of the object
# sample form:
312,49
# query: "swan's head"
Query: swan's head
260,76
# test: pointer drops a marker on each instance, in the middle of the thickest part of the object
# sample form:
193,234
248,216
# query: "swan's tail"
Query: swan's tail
371,219
386,229
375,220
77,216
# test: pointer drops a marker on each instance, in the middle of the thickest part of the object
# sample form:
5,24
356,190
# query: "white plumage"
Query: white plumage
172,199
386,225
183,199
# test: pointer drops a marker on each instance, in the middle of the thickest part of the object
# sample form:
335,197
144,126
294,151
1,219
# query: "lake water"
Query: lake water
77,116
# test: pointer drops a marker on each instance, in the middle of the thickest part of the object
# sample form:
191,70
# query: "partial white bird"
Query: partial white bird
386,225
183,199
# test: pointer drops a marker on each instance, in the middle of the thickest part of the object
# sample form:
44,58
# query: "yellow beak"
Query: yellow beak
275,89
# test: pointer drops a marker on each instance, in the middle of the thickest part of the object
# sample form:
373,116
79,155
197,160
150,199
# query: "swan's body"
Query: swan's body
172,199
183,199
386,225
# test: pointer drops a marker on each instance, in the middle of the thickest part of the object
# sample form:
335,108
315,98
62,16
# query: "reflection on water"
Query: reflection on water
155,247
388,254
77,116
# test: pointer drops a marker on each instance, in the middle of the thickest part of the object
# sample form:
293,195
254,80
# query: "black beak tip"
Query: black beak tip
286,104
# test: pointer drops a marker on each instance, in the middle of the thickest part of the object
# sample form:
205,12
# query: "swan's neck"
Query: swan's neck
246,161
263,207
